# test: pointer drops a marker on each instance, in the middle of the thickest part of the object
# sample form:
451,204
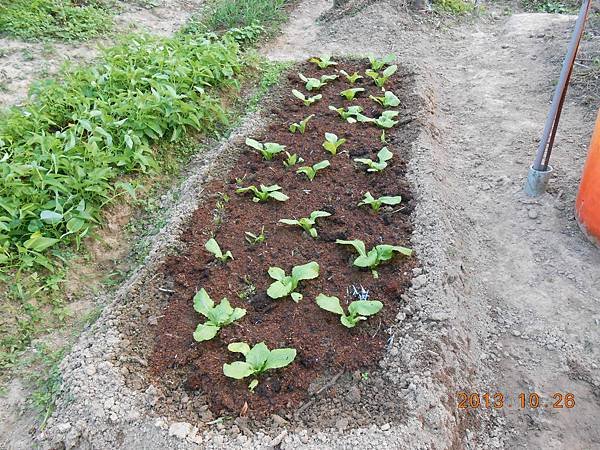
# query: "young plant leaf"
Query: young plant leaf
383,156
306,100
357,311
307,223
311,171
316,83
377,64
323,62
292,160
213,247
285,285
351,78
349,94
375,256
264,193
388,99
218,316
301,126
332,143
376,204
268,150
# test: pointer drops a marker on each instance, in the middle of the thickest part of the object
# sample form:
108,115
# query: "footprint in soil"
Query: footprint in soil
262,303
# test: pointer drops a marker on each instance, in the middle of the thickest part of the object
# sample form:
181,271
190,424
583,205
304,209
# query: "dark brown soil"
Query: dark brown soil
324,346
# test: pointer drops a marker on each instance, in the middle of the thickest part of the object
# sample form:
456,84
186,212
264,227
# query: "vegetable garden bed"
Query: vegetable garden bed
324,346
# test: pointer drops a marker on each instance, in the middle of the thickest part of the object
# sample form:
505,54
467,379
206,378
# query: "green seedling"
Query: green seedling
382,138
292,160
264,193
376,204
357,310
351,78
332,143
254,239
386,120
383,156
349,115
375,256
349,94
323,62
377,64
259,359
316,83
301,126
285,285
268,150
388,99
213,247
218,316
307,223
381,79
306,100
311,171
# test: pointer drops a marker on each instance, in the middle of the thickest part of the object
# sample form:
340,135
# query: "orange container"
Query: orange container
587,205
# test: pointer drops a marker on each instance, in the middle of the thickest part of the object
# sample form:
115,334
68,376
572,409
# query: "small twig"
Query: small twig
166,290
378,328
330,383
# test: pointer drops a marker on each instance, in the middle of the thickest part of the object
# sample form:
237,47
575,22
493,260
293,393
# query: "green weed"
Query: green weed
456,7
226,14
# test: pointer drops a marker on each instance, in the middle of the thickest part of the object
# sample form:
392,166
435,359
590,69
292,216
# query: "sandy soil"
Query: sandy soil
510,293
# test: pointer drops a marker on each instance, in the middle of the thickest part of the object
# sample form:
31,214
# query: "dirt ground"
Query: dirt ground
508,297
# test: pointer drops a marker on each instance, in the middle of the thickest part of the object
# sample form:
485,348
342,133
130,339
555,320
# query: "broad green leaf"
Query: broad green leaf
389,71
254,144
356,243
289,221
279,196
316,214
221,313
348,322
276,273
213,247
306,271
279,289
39,243
203,303
296,296
237,370
237,314
239,347
384,155
321,165
368,260
387,200
205,332
51,217
365,307
329,303
272,188
257,356
280,357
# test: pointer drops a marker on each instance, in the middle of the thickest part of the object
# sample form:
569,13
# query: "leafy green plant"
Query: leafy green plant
292,160
349,115
285,285
383,156
388,99
381,79
462,7
307,223
316,83
357,310
66,20
349,94
218,316
306,100
227,14
259,359
386,120
376,204
268,150
375,256
71,148
351,78
254,239
378,64
323,62
301,126
311,171
332,143
213,247
264,193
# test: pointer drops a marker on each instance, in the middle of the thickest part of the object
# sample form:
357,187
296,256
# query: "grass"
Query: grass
549,6
227,14
66,20
455,7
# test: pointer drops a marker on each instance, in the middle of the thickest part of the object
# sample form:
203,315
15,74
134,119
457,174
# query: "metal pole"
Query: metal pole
561,87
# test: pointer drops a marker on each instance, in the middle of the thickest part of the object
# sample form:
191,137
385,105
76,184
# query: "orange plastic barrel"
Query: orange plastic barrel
587,205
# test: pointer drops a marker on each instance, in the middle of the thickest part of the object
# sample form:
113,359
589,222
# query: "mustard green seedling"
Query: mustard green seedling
376,204
349,115
386,120
218,316
383,156
254,239
301,126
213,247
264,193
381,79
311,171
324,62
357,311
306,100
292,160
375,256
316,83
388,99
349,94
351,78
307,223
377,64
285,285
332,143
259,359
268,150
